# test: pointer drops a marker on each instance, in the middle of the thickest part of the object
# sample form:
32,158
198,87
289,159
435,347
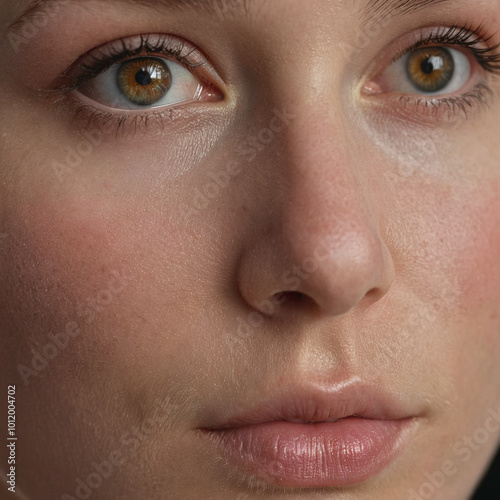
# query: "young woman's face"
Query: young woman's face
250,248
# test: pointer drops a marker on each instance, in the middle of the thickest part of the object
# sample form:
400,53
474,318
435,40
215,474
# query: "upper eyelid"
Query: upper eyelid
485,55
481,50
171,47
469,37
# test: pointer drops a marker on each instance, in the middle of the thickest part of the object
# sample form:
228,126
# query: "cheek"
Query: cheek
65,263
130,273
446,186
445,241
463,248
479,266
476,256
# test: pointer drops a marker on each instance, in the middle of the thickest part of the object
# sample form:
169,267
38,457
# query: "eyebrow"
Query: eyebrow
381,10
373,11
33,7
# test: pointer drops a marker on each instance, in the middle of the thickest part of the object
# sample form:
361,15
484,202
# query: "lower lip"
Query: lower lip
325,454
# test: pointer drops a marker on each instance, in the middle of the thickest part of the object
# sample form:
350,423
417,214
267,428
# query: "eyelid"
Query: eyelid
471,40
213,90
103,57
414,107
477,41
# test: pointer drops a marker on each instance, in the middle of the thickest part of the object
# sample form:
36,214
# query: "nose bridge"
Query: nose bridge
329,205
327,187
325,239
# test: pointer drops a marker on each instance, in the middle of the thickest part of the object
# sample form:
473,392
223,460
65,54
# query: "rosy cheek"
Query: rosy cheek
482,268
472,261
71,241
105,262
477,257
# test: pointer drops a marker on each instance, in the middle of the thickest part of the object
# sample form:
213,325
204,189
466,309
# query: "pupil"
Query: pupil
427,66
142,77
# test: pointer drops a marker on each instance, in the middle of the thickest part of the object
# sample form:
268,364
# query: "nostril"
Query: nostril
373,295
281,297
289,298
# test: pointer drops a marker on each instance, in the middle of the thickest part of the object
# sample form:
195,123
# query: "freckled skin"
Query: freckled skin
154,254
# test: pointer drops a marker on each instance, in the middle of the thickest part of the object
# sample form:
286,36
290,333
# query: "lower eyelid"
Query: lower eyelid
452,110
475,95
116,124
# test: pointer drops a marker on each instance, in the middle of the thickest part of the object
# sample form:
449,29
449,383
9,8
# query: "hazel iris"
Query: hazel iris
144,80
430,69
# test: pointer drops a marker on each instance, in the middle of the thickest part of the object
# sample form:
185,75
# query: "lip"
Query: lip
311,437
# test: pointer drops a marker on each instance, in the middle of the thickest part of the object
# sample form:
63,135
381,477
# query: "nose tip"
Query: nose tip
354,270
332,275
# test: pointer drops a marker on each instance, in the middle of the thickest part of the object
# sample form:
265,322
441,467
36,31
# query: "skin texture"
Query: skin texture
154,281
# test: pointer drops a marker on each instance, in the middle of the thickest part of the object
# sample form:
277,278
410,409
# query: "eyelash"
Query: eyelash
468,37
471,38
166,45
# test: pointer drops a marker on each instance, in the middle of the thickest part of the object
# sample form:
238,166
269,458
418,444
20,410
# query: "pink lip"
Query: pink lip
312,437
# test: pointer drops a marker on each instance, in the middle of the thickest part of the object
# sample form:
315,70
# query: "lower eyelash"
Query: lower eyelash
88,117
453,108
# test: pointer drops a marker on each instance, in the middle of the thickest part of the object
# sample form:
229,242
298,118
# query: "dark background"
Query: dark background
489,489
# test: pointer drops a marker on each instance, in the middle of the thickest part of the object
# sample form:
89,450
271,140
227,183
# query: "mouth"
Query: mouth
316,437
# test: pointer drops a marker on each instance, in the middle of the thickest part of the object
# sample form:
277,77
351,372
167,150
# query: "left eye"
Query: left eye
428,71
143,82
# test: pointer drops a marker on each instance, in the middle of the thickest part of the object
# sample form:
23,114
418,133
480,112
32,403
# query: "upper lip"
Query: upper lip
312,403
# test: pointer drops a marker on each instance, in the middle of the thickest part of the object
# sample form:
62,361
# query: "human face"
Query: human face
283,281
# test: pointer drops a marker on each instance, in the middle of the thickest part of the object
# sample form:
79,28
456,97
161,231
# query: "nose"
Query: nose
319,244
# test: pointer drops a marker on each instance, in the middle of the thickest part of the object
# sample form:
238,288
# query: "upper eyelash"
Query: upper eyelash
470,37
165,44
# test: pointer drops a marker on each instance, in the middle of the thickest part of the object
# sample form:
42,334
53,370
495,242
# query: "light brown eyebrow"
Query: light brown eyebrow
217,7
382,9
373,10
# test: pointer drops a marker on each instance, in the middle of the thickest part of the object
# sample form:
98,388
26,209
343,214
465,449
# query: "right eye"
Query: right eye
143,83
429,71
